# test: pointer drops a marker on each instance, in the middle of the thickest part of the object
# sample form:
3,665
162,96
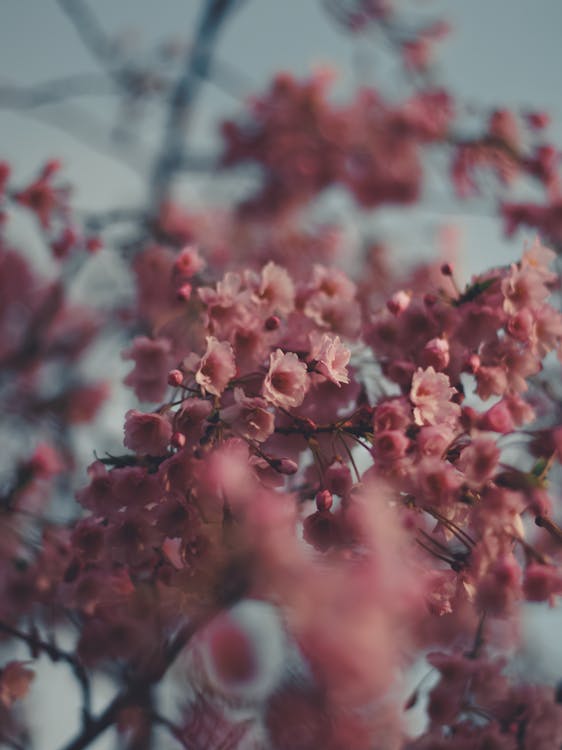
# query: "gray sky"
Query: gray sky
502,51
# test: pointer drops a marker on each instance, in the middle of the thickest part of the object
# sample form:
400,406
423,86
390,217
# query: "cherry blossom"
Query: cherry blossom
217,367
431,394
349,467
287,380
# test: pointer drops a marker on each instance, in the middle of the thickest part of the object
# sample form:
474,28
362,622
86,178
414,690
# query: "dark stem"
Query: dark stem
36,645
135,694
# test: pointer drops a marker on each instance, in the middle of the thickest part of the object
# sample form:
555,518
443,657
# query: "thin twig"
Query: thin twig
136,692
553,529
36,644
350,455
93,36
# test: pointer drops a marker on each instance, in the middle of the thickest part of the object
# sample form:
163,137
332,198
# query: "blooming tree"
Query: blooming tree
318,487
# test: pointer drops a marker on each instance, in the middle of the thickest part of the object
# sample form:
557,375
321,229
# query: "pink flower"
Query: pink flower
538,258
249,417
191,418
217,366
98,496
149,377
394,414
501,586
332,358
479,461
286,382
433,441
390,445
276,290
491,381
399,302
147,434
15,679
524,287
436,353
430,394
330,301
547,333
542,582
188,263
436,481
134,487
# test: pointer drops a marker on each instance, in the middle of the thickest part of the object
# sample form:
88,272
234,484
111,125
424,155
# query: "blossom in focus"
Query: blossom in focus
287,381
331,358
431,394
217,366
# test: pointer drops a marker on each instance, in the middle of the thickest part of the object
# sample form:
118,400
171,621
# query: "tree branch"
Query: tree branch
93,37
135,693
197,67
36,645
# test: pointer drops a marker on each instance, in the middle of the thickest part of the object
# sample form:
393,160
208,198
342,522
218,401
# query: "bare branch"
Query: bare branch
136,692
93,36
37,646
197,66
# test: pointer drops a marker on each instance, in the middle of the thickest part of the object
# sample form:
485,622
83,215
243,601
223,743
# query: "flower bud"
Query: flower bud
272,323
175,378
324,500
399,302
178,440
284,466
184,292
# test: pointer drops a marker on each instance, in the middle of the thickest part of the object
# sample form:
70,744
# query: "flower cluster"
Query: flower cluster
305,144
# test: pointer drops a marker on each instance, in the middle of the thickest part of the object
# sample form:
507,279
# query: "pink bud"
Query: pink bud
324,500
284,466
538,120
175,378
436,354
272,323
178,440
398,302
93,244
473,364
184,292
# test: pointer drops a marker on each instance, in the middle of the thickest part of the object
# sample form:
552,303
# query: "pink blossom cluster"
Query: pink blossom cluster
244,434
305,144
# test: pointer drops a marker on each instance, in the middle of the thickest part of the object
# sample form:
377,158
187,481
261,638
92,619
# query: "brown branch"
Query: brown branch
553,529
97,726
136,692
